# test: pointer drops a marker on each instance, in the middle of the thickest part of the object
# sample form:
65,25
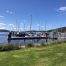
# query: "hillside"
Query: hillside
4,30
62,29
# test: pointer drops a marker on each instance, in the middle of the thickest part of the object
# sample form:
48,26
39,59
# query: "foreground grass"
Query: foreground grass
53,55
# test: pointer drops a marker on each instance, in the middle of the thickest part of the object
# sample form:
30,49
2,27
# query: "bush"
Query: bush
57,42
1,47
30,45
9,47
13,47
16,47
44,44
64,41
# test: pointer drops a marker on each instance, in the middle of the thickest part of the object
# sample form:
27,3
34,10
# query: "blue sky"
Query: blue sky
49,12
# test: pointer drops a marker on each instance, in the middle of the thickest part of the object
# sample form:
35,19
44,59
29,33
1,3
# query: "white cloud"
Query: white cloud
38,24
7,26
9,11
63,9
14,28
2,27
2,24
42,26
11,25
1,16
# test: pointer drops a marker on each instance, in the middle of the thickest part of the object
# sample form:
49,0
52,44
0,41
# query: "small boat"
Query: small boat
20,34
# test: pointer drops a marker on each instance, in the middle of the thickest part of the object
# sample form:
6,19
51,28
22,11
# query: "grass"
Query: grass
9,47
52,55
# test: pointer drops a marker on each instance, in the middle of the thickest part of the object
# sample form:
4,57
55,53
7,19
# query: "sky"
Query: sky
46,14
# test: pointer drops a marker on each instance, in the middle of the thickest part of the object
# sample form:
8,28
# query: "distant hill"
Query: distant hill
4,30
61,29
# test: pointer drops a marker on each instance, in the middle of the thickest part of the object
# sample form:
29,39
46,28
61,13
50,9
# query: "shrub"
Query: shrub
1,47
13,47
9,47
57,42
64,41
16,47
30,45
44,44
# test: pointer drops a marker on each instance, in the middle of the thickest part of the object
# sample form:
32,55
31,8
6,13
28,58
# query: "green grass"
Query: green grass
53,55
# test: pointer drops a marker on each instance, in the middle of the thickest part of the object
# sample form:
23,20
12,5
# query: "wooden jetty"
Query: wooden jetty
29,38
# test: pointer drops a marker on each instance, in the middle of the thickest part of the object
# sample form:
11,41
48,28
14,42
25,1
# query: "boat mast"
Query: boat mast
30,22
24,27
17,26
45,26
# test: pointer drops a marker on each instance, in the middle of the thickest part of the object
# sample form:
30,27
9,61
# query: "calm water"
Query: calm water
4,37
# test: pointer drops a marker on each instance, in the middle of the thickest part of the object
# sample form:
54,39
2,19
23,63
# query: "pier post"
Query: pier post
24,42
37,40
9,38
33,40
46,40
46,37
